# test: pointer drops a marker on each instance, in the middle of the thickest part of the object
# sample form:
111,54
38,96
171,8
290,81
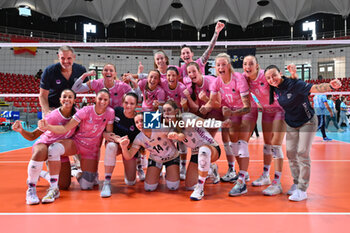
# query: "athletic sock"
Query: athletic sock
54,181
34,169
266,171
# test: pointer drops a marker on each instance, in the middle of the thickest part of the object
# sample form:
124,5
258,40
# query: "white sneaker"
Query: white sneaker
274,189
31,197
214,173
182,172
262,180
197,194
52,194
298,195
141,174
106,189
292,189
229,176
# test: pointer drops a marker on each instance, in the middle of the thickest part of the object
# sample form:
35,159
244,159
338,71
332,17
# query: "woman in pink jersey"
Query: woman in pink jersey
273,125
58,116
231,92
174,90
116,88
162,152
187,53
153,93
93,121
200,89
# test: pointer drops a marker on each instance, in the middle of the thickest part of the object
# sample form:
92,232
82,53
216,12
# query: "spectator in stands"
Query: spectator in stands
321,106
330,116
343,110
58,77
38,74
337,107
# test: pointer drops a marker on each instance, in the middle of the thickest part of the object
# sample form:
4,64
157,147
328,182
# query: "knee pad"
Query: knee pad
182,148
228,149
128,182
243,151
110,154
172,185
277,152
267,149
87,180
204,158
150,187
234,148
55,151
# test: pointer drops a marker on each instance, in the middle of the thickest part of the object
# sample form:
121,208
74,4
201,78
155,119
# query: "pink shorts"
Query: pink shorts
216,114
87,152
251,116
271,116
64,159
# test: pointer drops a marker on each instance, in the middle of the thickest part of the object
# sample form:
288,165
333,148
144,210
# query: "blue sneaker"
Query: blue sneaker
327,139
238,189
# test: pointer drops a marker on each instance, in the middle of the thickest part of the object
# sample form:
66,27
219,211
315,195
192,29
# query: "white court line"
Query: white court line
183,213
221,161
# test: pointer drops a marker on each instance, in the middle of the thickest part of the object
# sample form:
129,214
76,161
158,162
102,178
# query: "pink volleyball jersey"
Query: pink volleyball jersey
175,94
261,89
55,118
149,96
206,87
183,68
231,92
117,91
92,126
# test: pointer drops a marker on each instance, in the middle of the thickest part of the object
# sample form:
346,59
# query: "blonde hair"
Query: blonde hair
163,53
228,59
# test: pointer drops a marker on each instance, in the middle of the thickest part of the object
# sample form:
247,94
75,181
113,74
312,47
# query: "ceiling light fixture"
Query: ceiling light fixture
263,2
176,4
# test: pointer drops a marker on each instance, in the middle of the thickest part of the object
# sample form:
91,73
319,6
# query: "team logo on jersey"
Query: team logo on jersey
58,81
132,128
116,119
151,120
289,95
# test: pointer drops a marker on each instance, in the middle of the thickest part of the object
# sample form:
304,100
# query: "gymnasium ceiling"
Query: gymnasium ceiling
196,13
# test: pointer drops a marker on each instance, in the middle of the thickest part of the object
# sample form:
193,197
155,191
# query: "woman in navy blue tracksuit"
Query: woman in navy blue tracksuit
301,123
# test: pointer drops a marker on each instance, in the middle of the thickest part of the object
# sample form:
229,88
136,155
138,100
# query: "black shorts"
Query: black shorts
152,163
194,157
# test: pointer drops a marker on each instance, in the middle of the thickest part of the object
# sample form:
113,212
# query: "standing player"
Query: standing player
187,53
153,93
116,88
273,125
231,91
